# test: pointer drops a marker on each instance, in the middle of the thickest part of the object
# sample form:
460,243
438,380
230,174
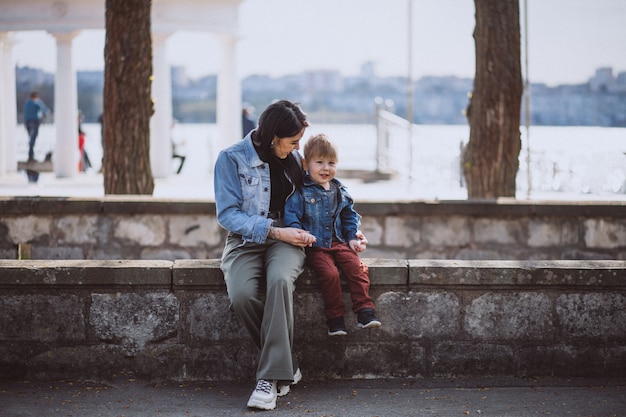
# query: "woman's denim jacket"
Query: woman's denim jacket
310,210
242,191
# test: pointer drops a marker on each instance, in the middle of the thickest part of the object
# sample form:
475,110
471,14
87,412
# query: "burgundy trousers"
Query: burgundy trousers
328,264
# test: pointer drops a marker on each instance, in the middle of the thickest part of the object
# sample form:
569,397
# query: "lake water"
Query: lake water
566,163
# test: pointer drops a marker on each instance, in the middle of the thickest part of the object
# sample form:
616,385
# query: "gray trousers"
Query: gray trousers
268,319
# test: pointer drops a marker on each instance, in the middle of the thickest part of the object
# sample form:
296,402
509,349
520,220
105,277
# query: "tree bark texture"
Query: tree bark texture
491,158
127,98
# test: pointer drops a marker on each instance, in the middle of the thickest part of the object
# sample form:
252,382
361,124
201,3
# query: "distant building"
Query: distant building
368,70
179,77
324,81
331,97
620,82
604,82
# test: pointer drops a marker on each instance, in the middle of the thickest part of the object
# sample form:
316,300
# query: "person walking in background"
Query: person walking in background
101,122
325,209
84,162
35,110
247,123
176,144
253,179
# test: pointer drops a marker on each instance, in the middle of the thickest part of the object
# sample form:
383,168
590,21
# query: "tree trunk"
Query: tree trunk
127,98
491,159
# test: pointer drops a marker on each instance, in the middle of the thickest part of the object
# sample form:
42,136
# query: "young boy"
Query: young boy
325,209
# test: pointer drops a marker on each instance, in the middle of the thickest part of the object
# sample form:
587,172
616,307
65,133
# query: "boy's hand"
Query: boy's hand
361,236
358,245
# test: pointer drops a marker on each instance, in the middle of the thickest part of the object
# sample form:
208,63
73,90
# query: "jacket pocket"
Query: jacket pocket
249,185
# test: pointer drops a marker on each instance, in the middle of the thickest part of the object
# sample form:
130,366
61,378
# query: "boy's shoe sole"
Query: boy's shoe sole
371,325
337,333
284,389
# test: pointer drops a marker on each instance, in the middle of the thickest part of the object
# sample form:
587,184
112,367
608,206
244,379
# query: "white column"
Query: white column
228,95
161,121
8,111
66,154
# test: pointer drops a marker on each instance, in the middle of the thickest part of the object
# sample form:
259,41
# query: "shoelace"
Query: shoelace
264,386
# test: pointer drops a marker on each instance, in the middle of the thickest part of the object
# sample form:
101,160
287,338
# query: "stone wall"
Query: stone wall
163,320
147,228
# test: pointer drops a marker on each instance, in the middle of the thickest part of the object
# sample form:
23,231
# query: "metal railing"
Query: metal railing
385,118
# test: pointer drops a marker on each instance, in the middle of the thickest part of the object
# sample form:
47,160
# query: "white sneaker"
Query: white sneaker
264,395
284,389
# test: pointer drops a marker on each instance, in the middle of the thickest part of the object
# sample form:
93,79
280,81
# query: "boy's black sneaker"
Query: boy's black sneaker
367,319
336,326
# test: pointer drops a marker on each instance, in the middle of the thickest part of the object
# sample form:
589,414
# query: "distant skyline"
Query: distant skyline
568,39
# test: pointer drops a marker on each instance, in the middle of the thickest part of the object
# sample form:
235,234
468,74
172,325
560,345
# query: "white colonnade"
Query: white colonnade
66,154
8,111
161,121
64,20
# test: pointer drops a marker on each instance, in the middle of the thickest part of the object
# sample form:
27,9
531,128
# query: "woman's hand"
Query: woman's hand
296,237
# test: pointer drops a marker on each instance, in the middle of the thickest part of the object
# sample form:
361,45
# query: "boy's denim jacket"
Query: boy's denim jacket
310,210
242,191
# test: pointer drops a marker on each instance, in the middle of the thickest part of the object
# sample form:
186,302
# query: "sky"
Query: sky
567,39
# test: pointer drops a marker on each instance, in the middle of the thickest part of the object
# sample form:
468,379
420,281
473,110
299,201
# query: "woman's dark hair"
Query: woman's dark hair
283,119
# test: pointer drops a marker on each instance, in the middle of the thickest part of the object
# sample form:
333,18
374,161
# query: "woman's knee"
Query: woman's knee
241,295
281,281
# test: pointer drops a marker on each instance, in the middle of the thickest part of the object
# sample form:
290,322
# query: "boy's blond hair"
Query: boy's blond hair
320,146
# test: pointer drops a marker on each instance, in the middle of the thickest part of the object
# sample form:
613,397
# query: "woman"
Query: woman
253,179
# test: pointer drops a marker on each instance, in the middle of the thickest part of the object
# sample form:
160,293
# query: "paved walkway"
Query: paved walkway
200,186
196,186
430,397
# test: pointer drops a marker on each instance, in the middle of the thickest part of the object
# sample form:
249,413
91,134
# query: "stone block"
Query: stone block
579,360
511,316
498,231
76,229
57,252
548,232
452,358
309,319
42,318
387,271
133,320
194,231
160,362
593,315
448,231
196,273
27,228
372,230
615,361
392,360
419,315
402,231
323,361
14,360
606,234
534,361
165,254
209,319
97,362
221,362
144,230
80,273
